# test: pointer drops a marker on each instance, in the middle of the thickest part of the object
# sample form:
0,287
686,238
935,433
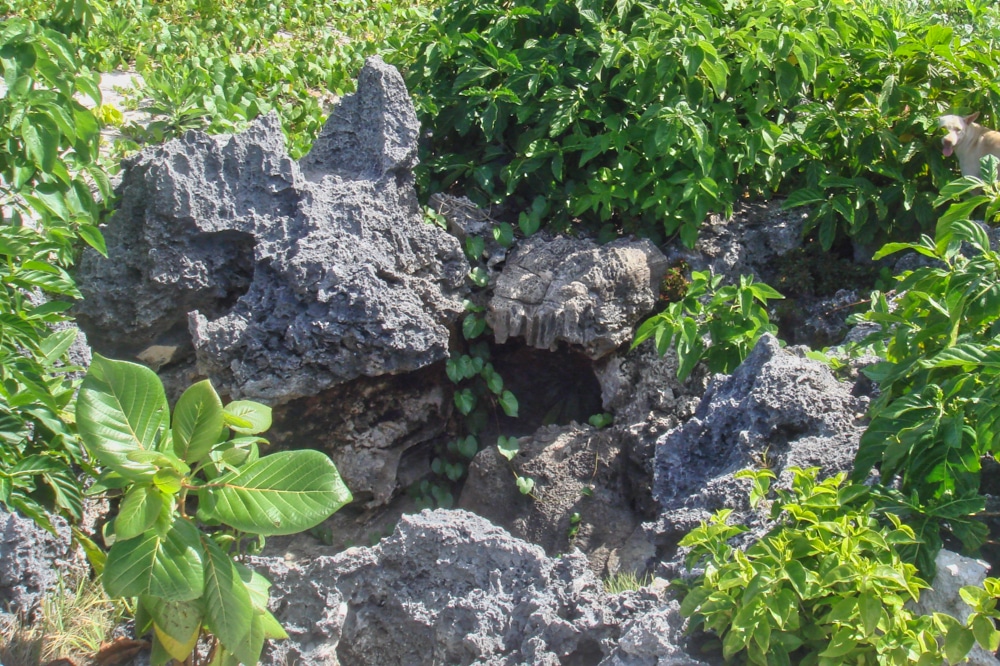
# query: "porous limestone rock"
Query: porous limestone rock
577,470
776,410
285,277
577,292
446,588
954,572
745,243
30,561
653,639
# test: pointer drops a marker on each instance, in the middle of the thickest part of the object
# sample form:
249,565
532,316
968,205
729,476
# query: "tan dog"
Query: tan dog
969,141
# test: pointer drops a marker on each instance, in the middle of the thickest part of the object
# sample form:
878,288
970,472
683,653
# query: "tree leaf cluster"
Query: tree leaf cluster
937,415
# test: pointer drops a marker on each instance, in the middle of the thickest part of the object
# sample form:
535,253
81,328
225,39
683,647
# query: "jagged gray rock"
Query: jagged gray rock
286,278
577,292
653,639
745,243
776,410
30,561
446,588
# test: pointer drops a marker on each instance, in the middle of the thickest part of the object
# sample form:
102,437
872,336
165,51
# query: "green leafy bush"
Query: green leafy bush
643,117
51,195
719,324
825,586
190,494
218,65
939,409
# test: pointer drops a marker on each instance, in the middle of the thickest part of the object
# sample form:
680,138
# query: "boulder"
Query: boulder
745,243
446,588
284,278
576,292
776,410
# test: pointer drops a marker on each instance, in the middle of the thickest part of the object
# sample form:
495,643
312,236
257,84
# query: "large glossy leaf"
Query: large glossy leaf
121,408
228,609
169,567
198,422
282,493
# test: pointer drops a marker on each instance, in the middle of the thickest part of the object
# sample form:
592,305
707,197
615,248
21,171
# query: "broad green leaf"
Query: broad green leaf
177,624
957,642
525,484
169,567
508,446
870,610
121,408
228,610
247,417
841,643
138,512
508,402
465,401
473,326
282,493
198,422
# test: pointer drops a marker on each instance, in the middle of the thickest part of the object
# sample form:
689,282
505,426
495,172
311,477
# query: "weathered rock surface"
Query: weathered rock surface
30,561
286,278
776,410
446,588
746,243
653,639
576,292
954,572
577,470
376,420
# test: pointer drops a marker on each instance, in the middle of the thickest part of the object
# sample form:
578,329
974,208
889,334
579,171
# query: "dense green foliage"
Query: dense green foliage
645,116
825,586
715,323
48,179
215,65
184,473
939,409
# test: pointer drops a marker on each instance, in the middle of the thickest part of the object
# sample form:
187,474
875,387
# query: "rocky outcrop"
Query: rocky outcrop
581,498
745,243
285,278
446,588
776,410
576,292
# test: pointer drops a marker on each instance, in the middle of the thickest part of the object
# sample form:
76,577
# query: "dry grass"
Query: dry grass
74,621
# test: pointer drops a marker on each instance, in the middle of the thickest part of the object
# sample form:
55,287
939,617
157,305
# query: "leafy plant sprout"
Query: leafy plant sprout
192,485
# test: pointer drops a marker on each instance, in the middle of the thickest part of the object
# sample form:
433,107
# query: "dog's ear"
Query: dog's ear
971,118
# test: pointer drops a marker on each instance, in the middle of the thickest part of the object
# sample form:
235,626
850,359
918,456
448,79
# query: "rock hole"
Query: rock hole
230,258
552,388
587,653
